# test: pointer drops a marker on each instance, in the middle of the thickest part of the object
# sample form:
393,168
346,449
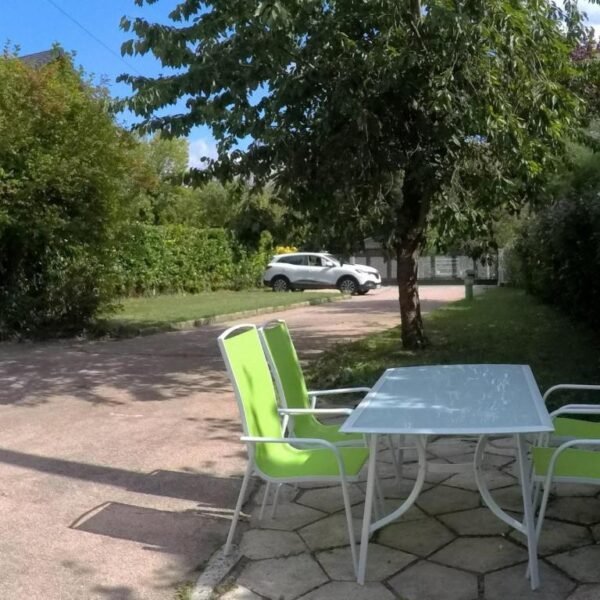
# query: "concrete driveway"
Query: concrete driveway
119,460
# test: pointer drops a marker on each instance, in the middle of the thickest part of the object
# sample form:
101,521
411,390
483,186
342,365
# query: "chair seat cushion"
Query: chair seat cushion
576,428
283,461
572,463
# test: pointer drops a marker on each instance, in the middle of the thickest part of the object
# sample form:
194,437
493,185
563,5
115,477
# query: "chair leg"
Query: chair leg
275,501
238,507
264,501
543,506
350,524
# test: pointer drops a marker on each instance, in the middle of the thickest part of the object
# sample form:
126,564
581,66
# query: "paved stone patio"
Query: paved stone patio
448,547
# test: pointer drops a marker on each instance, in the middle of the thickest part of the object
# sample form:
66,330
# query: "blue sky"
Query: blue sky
35,25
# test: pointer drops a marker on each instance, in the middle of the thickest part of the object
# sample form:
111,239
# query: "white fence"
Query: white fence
437,268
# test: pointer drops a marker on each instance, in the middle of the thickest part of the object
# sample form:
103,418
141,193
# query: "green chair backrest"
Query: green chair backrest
249,371
288,376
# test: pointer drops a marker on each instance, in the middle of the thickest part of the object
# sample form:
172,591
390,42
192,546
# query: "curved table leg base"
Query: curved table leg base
485,492
414,494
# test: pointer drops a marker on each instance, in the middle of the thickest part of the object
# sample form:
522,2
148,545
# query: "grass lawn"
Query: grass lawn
160,311
501,326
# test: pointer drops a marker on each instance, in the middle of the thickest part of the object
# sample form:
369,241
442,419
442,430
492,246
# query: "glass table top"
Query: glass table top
452,399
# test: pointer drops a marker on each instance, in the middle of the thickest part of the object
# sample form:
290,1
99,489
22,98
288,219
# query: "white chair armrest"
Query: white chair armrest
354,390
315,411
576,409
570,386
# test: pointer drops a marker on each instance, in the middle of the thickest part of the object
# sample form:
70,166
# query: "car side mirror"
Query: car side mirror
327,263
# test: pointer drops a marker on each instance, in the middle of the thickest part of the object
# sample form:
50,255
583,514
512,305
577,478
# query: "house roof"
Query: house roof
39,59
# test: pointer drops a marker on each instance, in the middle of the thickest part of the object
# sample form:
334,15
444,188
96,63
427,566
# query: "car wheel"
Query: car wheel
348,285
280,284
362,292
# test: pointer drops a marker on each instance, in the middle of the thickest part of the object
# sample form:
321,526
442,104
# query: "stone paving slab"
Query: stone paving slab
330,499
430,581
480,554
493,478
582,564
557,537
449,547
420,537
577,510
511,584
586,592
478,521
346,591
265,543
443,499
383,563
283,578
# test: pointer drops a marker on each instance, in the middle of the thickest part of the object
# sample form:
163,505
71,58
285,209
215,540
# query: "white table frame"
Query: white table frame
526,527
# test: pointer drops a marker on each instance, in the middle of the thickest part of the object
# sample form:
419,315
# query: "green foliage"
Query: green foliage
558,253
376,118
369,113
172,258
61,163
153,259
502,325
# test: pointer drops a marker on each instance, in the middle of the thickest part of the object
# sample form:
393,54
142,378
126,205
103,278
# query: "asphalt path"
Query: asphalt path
120,461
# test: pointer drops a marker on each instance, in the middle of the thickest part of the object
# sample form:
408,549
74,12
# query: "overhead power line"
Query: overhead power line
92,35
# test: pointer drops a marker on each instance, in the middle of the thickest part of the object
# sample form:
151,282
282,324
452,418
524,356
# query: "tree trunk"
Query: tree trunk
413,334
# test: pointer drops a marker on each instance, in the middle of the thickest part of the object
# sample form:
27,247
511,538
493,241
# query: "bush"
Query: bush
177,258
559,253
61,167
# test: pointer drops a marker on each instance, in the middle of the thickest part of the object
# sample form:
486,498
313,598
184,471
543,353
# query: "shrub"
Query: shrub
559,252
180,259
172,258
61,167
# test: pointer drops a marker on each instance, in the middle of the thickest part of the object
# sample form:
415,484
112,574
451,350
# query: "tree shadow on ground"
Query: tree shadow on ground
172,365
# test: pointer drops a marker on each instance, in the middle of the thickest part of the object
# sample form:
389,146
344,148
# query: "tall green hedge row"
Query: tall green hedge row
558,256
178,258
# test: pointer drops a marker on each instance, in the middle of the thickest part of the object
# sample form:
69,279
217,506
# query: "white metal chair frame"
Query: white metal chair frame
252,467
549,478
547,439
314,395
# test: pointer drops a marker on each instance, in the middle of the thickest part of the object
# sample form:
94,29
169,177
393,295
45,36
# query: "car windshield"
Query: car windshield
333,258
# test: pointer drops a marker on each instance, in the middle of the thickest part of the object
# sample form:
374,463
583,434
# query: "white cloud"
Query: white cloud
593,14
199,148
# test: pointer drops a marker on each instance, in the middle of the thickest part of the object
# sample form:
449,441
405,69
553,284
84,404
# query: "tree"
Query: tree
377,118
62,160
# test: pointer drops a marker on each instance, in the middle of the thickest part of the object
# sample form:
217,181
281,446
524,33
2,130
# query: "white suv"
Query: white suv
304,270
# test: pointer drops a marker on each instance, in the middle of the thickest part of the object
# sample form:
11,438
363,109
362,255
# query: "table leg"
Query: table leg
366,524
527,527
528,511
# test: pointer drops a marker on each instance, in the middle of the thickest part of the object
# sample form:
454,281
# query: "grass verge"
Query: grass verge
162,313
501,326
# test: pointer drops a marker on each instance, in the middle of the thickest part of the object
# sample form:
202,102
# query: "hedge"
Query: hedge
178,258
558,256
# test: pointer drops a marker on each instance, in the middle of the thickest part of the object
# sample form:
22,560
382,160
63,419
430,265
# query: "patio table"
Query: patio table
474,400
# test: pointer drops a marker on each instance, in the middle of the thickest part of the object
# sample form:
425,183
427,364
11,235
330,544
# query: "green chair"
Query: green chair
272,456
292,391
299,404
567,428
566,464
